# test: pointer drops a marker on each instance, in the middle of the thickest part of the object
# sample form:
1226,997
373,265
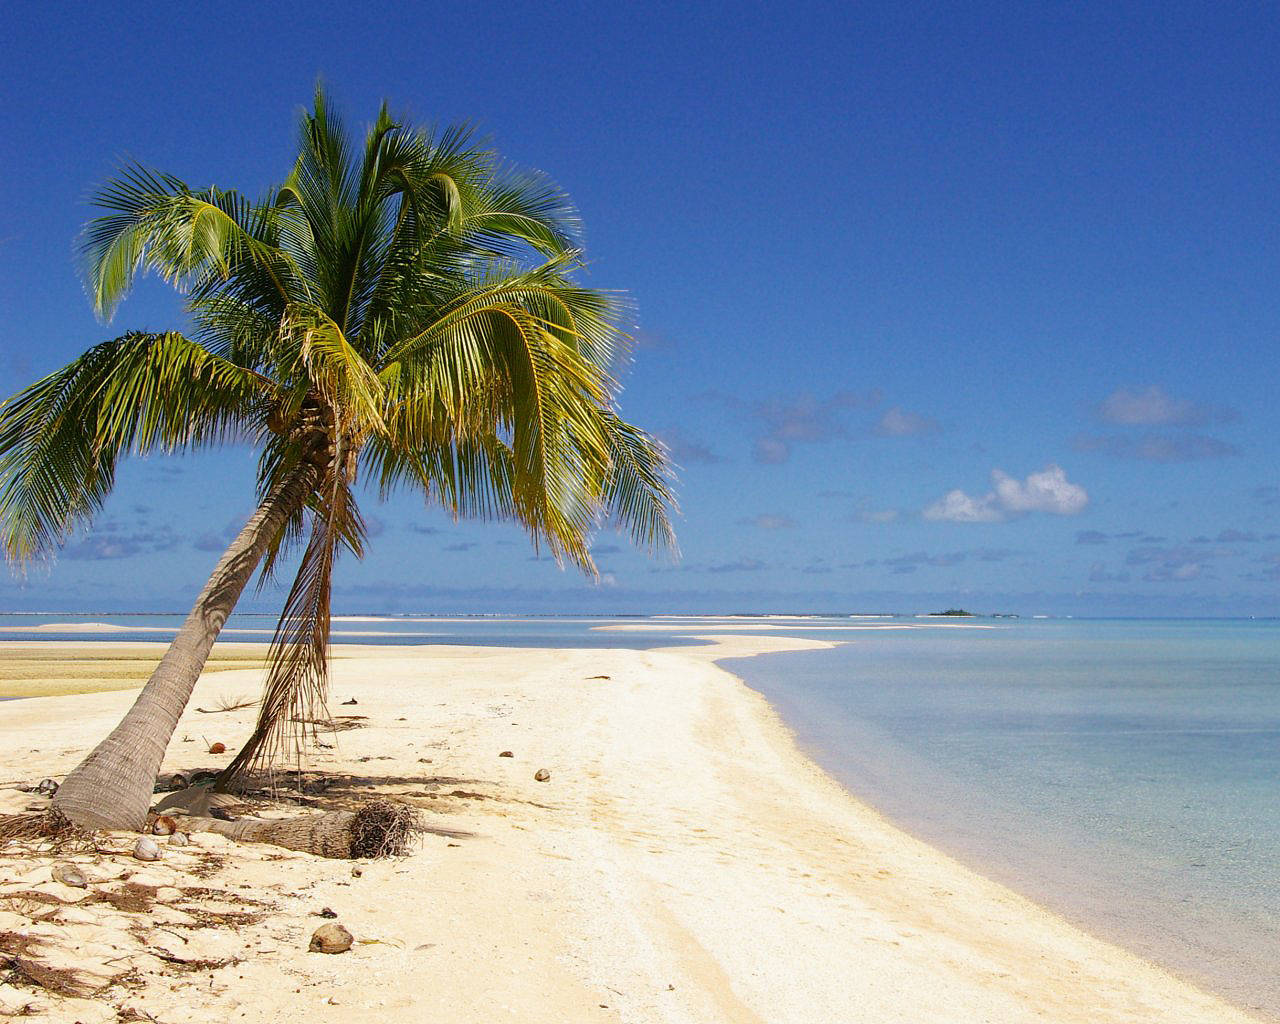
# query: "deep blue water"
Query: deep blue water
1124,773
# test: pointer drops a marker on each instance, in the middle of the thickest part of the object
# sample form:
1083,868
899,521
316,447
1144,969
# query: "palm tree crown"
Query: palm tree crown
402,310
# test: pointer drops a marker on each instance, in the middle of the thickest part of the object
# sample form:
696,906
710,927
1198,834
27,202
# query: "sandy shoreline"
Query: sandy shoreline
685,863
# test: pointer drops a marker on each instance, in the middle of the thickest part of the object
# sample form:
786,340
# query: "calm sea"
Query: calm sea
1124,773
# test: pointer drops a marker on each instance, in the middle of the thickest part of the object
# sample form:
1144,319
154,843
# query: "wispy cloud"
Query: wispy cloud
867,511
1048,491
1157,447
803,419
1155,407
1270,571
111,540
1177,564
1099,573
765,521
737,565
687,452
898,422
1091,537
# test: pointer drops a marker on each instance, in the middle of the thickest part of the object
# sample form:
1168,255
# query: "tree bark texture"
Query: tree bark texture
113,786
325,835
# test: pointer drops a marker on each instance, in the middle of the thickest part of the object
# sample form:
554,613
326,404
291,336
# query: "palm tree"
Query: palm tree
405,311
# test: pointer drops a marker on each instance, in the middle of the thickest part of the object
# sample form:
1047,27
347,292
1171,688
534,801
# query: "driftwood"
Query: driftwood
379,829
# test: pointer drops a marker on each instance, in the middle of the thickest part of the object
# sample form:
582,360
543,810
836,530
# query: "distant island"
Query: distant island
956,613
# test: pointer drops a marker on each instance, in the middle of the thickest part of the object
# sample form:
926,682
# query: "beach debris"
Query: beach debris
217,748
69,874
330,938
227,705
327,912
164,826
146,849
179,839
356,872
541,775
351,701
591,678
380,828
221,814
424,760
506,753
47,786
179,781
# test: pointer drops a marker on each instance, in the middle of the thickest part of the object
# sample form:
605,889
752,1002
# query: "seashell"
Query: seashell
47,786
178,839
218,748
146,849
69,874
164,826
541,775
330,938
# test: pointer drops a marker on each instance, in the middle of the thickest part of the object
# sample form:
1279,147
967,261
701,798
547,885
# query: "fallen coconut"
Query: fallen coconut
218,748
146,849
178,839
47,786
69,874
330,938
164,826
541,775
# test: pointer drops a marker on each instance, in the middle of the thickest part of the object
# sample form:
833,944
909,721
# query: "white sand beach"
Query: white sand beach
685,862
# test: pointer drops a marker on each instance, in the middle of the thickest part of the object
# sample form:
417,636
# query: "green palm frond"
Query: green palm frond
61,437
639,492
188,237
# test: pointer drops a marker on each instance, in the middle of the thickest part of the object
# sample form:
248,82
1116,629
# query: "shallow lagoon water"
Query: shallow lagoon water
1126,774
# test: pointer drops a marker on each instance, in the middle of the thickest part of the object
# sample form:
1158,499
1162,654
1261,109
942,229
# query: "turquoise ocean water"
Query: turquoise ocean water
1124,773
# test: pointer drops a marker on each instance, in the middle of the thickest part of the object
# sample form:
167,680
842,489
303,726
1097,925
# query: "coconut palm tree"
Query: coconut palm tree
402,311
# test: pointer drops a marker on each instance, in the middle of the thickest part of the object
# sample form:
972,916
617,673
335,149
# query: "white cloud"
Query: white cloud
1155,407
958,507
1047,491
898,422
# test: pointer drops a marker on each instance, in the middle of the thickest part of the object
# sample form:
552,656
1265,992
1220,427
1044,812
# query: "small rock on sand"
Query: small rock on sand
541,775
69,874
146,849
506,753
330,938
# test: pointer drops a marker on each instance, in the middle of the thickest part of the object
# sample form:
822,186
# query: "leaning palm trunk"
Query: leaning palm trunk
112,787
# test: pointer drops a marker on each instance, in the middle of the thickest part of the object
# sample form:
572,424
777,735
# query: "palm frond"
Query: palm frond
639,492
61,437
157,222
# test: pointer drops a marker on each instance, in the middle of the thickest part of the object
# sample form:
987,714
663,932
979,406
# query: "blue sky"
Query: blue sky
938,304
